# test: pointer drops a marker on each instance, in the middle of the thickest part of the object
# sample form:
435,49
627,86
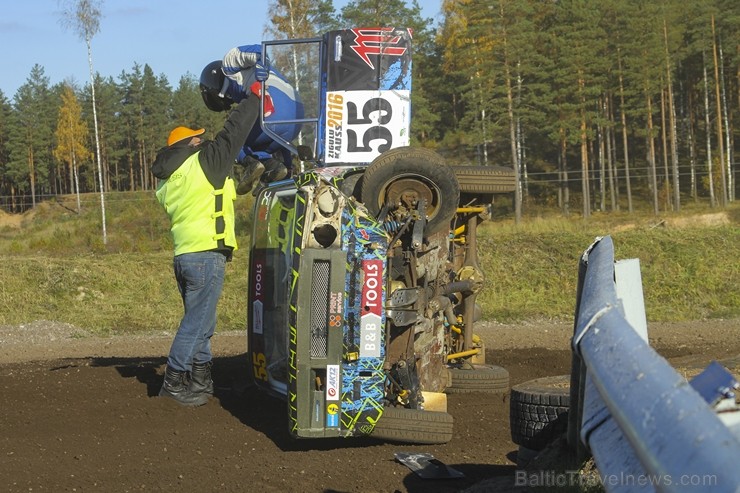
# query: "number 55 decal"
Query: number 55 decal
362,124
260,366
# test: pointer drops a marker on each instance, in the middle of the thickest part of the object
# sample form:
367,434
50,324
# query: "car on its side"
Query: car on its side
363,270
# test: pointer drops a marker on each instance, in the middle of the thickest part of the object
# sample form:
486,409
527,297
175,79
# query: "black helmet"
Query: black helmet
211,83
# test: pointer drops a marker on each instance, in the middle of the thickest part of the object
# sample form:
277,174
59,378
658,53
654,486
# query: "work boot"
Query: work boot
176,386
275,170
200,379
253,170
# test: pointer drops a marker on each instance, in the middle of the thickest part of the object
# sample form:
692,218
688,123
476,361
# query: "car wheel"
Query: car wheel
403,176
398,424
539,411
485,179
490,379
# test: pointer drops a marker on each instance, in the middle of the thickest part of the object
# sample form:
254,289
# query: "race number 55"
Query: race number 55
259,366
383,111
362,124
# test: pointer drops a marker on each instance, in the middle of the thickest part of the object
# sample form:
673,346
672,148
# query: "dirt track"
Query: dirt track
80,413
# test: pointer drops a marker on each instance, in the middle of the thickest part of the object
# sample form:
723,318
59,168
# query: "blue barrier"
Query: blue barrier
644,424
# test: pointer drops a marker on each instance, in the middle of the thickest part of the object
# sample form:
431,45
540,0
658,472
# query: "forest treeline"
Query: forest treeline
615,104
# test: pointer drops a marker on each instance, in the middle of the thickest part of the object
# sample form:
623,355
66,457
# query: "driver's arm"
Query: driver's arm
239,62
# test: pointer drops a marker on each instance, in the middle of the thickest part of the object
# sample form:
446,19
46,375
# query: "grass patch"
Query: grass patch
108,294
687,274
54,265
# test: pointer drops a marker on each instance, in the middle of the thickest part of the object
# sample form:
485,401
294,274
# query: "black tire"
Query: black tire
539,411
489,379
398,424
415,172
485,179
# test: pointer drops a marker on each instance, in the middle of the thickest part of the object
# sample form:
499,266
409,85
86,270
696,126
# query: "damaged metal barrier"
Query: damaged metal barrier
647,428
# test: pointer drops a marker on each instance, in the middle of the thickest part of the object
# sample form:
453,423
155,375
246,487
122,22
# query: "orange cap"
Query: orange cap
181,133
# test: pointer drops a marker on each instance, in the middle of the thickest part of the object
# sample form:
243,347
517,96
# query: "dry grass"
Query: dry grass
55,266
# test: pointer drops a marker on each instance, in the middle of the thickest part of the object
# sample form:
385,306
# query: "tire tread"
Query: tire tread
403,425
485,179
539,411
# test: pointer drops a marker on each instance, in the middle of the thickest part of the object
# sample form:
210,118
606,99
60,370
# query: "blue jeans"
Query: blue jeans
200,279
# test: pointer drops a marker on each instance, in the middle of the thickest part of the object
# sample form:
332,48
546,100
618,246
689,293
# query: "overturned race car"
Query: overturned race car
363,271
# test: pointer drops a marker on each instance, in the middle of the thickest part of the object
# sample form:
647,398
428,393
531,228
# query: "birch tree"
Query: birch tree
83,16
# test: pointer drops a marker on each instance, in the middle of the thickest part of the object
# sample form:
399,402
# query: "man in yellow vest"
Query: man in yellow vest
197,191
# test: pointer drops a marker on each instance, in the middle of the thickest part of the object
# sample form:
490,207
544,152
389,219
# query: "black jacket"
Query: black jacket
217,156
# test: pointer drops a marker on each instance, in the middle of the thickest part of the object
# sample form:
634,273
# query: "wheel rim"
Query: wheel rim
407,191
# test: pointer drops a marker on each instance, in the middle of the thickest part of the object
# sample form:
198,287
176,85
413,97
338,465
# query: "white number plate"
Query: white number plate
362,124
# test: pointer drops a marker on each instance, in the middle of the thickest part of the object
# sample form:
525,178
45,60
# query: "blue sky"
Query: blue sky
174,38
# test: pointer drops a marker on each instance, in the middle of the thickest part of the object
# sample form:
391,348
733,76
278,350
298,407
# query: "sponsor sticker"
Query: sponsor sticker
332,415
334,125
335,309
377,41
372,297
257,306
257,318
335,302
332,382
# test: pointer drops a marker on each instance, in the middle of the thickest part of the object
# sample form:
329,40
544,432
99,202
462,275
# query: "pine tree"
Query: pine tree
580,42
5,123
156,96
31,137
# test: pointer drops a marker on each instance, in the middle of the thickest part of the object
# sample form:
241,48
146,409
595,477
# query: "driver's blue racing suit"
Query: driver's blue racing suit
238,66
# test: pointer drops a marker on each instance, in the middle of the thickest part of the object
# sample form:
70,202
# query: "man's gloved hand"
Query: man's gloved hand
261,72
267,105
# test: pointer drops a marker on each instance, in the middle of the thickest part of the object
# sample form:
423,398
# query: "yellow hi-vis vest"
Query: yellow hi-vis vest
194,207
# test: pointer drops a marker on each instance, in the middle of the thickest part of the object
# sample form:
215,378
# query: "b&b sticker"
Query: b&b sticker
372,297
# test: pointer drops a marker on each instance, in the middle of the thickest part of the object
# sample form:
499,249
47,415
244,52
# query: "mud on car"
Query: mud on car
363,271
